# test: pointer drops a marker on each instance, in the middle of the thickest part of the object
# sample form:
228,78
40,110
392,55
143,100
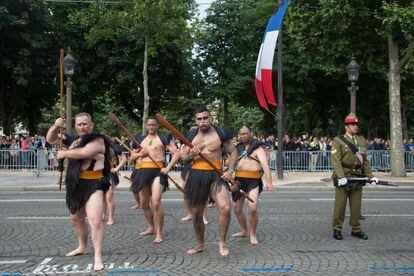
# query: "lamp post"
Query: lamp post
69,69
353,72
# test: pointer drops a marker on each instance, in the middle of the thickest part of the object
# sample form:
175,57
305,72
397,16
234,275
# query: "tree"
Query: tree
152,35
398,18
26,76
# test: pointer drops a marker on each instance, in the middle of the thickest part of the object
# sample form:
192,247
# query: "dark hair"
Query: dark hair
201,109
152,118
246,126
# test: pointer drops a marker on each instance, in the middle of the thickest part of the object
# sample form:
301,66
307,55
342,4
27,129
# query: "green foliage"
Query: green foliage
319,38
191,64
25,60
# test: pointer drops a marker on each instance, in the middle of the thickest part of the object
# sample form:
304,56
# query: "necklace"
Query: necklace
150,143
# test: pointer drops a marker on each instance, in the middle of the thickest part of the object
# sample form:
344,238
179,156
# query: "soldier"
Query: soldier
349,160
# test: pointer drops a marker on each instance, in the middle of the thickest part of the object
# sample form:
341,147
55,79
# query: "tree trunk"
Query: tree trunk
145,82
394,81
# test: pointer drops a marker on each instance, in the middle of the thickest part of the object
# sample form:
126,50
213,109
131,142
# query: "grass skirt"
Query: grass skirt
83,191
144,178
198,186
247,184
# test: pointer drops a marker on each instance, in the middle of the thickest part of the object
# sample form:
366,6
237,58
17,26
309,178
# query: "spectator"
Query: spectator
409,147
377,144
14,154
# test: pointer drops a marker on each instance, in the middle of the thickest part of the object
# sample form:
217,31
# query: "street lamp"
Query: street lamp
69,69
353,73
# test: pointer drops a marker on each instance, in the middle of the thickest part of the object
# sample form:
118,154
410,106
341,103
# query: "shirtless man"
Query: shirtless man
184,174
252,161
148,181
203,182
88,154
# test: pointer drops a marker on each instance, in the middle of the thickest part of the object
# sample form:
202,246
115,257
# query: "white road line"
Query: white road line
38,218
34,200
366,199
13,262
172,199
41,265
388,215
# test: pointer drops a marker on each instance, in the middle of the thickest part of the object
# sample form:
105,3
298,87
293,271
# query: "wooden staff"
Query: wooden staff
61,167
122,143
121,126
171,128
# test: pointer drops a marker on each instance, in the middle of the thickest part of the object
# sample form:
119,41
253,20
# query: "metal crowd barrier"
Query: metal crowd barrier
316,161
37,161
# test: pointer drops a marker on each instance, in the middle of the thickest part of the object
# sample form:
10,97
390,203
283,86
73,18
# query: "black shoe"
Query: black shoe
361,217
337,235
359,235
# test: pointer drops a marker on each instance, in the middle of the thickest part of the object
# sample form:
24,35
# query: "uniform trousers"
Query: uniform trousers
341,197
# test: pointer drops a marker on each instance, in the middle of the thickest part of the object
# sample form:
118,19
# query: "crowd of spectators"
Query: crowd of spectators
324,143
25,151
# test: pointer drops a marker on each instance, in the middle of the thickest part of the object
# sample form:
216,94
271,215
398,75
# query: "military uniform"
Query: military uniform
347,164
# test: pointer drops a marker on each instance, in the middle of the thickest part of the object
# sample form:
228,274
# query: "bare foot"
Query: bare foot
136,206
188,217
210,205
159,239
224,251
103,218
78,251
253,239
205,220
149,231
240,234
196,250
110,222
98,266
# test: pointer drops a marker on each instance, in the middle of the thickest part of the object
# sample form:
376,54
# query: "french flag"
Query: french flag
263,76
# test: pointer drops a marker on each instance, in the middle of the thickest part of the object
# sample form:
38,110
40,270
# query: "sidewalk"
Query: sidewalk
48,181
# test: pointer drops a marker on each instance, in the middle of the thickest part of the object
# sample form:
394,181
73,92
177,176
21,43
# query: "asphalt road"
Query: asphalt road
294,233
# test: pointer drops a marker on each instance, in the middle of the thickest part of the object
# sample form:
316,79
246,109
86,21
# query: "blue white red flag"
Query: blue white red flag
263,76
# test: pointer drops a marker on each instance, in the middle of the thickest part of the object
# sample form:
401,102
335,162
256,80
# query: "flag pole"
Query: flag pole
280,105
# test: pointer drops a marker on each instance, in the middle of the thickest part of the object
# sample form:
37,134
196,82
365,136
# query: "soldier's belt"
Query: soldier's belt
351,166
204,166
149,165
248,174
91,174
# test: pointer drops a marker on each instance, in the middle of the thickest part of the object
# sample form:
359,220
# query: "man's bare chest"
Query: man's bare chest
152,144
209,142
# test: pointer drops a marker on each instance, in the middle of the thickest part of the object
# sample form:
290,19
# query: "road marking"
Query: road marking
41,265
391,268
34,200
38,218
116,272
267,269
13,262
172,199
388,215
366,199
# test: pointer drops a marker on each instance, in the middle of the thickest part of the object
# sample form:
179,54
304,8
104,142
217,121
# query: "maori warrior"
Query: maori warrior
87,180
